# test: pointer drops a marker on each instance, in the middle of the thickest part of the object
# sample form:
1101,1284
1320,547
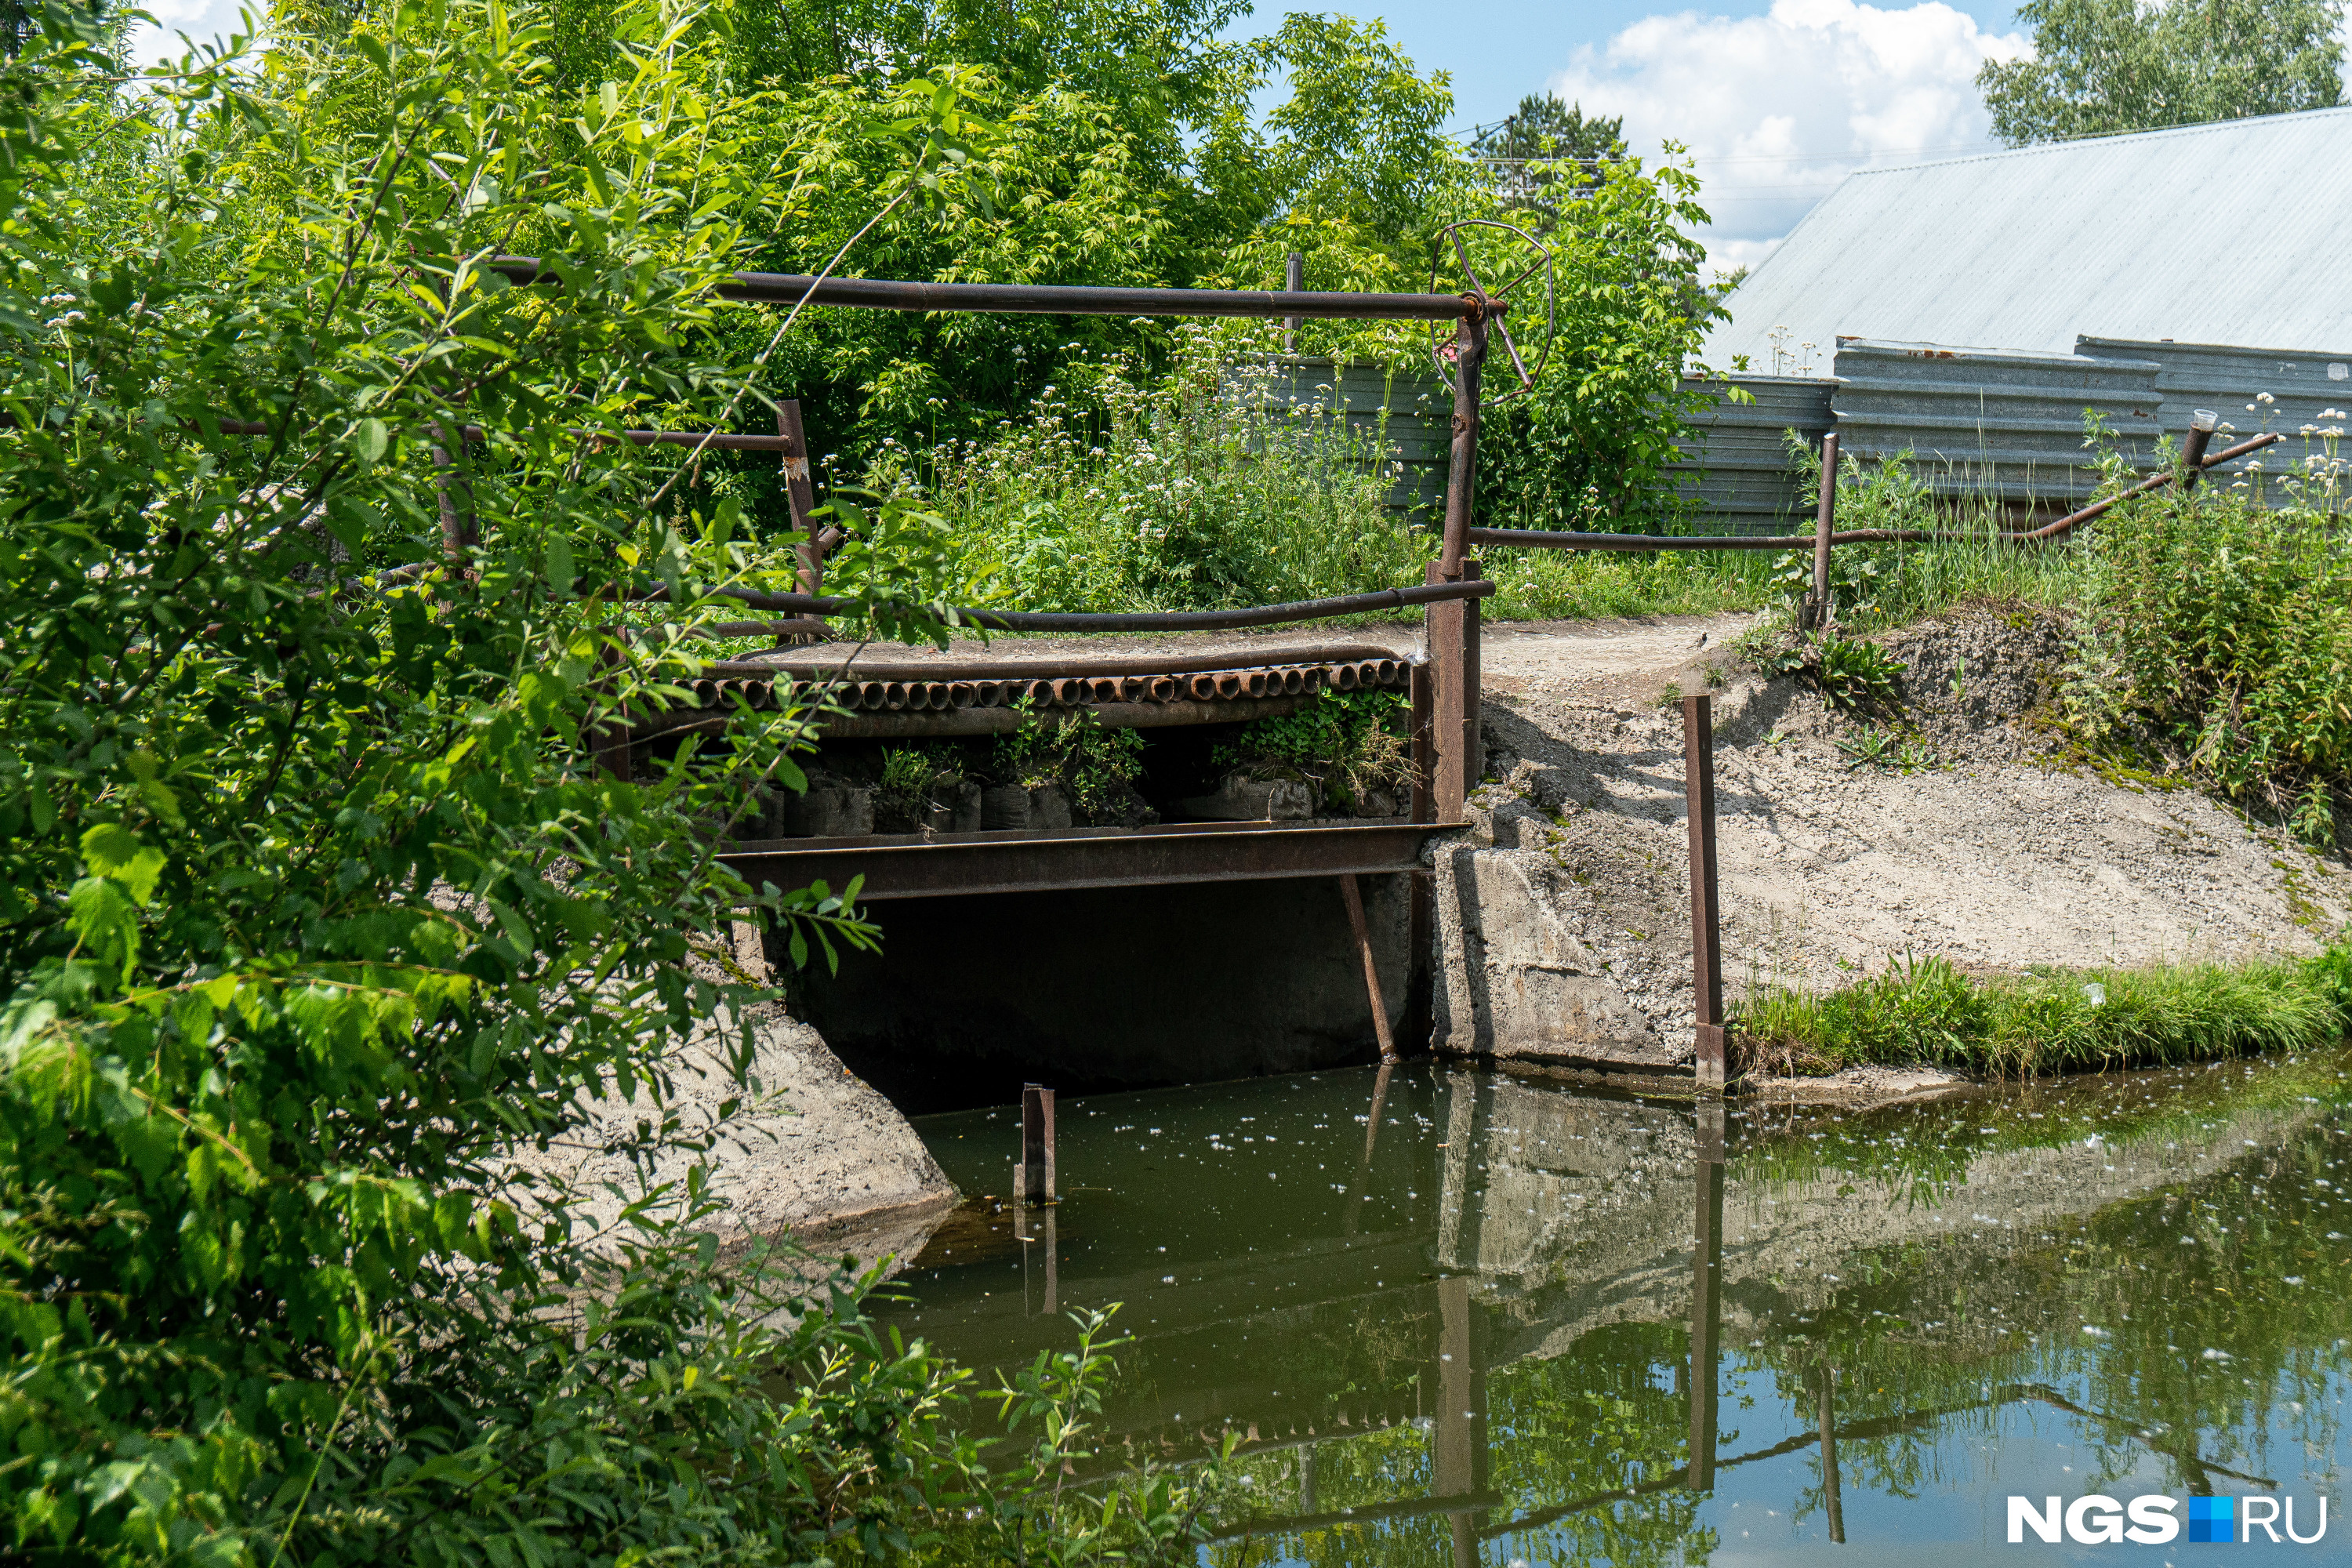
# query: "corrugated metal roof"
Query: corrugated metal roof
2227,233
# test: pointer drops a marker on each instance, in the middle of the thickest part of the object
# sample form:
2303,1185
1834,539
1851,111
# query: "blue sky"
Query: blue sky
1775,99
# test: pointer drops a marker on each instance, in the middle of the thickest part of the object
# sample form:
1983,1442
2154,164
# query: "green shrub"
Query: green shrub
2223,630
1347,743
1191,489
1855,672
321,917
1095,764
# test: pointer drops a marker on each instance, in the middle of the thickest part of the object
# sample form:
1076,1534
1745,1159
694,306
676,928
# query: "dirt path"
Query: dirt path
1986,851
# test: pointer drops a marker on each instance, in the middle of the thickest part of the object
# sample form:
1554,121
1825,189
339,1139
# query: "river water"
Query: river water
1464,1317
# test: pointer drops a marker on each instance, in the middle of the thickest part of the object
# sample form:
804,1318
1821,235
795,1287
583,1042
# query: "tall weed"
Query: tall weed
1193,489
2221,630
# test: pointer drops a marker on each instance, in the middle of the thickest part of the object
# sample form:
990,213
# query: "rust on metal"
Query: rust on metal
1061,299
1706,959
1035,1184
802,498
2192,454
1032,860
2155,482
1146,621
1353,896
1545,539
993,706
823,664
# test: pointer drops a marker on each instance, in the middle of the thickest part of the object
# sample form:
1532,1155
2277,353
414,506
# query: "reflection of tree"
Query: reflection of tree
2142,1383
1934,1338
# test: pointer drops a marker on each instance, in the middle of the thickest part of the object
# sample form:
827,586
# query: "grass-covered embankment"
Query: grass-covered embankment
1926,1010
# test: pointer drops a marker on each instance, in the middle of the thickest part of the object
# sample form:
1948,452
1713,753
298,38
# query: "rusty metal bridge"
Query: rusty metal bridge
995,844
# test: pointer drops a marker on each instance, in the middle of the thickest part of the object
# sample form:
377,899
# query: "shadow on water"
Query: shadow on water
1459,1316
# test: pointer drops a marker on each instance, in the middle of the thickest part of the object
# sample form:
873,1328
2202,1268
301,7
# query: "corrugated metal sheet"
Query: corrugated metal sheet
2225,233
1991,422
1735,466
2307,387
1414,414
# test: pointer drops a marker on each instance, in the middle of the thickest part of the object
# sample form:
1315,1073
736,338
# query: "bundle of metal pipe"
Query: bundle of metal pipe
1386,671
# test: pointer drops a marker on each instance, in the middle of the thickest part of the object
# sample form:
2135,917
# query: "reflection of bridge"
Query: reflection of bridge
1537,1217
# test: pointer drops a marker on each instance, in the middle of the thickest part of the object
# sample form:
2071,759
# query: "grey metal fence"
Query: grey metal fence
1412,414
2305,386
1994,423
1736,468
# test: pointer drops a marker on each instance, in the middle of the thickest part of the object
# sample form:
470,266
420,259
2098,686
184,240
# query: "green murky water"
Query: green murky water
1459,1317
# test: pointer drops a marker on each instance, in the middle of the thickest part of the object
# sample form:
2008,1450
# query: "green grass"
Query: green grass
1925,1010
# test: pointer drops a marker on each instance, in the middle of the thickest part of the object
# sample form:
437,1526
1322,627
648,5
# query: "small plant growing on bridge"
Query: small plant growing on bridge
1349,744
912,777
1096,765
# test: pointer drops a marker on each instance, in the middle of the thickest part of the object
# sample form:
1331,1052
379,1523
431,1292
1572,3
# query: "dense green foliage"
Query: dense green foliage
1348,745
2100,67
2219,634
322,924
1926,1010
1589,449
1201,487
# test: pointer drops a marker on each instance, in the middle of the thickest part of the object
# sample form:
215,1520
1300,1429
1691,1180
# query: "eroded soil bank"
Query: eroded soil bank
1565,912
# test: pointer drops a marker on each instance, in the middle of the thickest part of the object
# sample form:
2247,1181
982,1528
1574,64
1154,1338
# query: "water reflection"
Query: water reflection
1458,1316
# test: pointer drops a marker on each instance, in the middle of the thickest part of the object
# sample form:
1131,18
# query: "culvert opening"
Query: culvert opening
1109,988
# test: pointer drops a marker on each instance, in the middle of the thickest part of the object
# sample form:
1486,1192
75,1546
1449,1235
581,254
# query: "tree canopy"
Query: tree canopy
2102,67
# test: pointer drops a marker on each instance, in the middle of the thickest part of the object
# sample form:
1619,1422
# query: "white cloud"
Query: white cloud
202,20
1777,108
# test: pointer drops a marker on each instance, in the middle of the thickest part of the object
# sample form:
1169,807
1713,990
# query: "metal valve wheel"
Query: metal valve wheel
1531,256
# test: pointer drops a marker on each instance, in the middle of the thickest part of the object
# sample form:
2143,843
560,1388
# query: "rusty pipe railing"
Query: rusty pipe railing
715,440
1141,621
1544,538
1067,300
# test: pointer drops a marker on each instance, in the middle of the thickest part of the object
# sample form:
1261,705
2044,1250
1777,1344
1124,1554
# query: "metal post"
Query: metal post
1453,626
1037,1176
2201,426
1830,1498
1817,610
458,530
801,494
1706,959
1420,913
1706,1296
1474,744
1294,271
1354,896
1462,467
